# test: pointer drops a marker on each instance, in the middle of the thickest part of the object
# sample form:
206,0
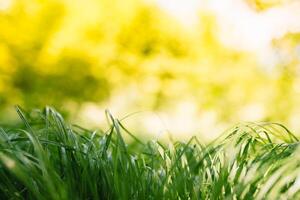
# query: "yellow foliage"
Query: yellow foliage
64,52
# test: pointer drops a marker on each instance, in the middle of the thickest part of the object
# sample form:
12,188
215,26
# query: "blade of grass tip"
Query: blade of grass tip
161,145
42,156
90,143
129,133
47,114
116,126
59,122
270,128
23,118
32,137
109,117
268,137
131,114
120,155
252,129
266,129
287,130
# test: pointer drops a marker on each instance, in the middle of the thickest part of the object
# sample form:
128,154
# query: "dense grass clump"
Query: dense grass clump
49,159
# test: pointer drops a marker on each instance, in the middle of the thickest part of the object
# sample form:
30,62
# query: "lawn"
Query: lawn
47,158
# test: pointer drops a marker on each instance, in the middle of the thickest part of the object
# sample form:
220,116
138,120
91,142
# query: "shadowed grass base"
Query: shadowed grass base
49,159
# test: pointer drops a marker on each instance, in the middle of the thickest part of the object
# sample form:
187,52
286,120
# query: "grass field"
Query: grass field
47,158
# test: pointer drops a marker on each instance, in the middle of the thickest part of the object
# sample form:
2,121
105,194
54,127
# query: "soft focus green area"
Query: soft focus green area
132,56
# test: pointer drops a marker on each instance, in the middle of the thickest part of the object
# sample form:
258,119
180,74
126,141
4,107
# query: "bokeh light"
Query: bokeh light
183,67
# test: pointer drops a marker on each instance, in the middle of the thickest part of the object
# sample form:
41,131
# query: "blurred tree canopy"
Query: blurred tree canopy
65,53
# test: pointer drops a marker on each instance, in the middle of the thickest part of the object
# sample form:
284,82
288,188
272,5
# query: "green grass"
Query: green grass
46,158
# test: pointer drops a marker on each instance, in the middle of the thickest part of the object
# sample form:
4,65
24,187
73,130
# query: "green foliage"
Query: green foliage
47,158
66,54
38,53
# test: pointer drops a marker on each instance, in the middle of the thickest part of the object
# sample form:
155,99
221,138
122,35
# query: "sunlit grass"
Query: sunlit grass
46,158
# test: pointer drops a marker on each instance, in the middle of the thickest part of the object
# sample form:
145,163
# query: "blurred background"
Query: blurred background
174,67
